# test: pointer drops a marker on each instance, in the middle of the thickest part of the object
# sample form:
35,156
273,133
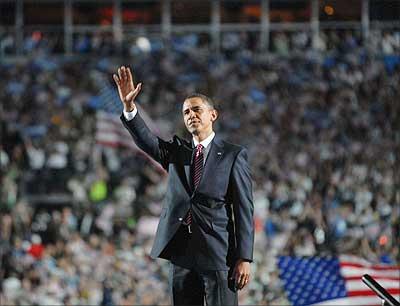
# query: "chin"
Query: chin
193,131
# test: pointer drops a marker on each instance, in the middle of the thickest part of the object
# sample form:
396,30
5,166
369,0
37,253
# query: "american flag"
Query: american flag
335,280
110,131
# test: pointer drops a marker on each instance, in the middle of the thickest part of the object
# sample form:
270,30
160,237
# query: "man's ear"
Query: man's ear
214,115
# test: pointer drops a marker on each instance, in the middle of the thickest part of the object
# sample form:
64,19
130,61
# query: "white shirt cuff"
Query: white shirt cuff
130,115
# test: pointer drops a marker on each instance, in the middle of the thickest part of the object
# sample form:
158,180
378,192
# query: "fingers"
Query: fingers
242,281
120,73
129,75
138,88
116,79
132,95
124,80
124,73
241,275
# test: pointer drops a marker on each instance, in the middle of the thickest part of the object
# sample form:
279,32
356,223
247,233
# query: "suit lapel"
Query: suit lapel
188,180
187,167
185,175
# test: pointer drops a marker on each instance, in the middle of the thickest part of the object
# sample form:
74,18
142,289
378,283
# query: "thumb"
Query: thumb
129,96
137,89
132,95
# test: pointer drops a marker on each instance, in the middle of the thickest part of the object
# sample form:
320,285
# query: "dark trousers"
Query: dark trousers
192,285
196,287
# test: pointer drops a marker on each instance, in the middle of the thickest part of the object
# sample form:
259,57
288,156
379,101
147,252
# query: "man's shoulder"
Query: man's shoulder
232,147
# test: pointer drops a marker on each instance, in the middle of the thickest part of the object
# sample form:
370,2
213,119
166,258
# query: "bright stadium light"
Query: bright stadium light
143,44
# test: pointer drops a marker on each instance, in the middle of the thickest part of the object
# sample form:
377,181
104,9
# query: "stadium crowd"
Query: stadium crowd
76,217
379,41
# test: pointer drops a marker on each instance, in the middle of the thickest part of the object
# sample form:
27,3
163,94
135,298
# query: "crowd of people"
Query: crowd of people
77,218
281,42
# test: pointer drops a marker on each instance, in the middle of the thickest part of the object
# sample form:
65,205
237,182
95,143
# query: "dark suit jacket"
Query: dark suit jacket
222,204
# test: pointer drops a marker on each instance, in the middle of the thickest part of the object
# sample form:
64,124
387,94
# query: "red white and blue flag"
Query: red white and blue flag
335,280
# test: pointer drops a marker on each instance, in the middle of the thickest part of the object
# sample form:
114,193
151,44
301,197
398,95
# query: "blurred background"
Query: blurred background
310,87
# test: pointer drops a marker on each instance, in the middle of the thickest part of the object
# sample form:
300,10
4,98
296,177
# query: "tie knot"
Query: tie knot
199,148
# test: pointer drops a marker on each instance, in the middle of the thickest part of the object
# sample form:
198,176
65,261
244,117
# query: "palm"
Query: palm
126,89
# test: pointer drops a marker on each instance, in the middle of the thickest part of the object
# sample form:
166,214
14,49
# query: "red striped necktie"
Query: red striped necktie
198,165
197,171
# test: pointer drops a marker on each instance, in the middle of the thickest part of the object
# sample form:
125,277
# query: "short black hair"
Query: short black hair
204,98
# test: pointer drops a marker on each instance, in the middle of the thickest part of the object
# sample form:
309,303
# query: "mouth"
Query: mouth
194,122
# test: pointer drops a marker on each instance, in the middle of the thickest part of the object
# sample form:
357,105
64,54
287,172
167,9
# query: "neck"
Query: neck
200,136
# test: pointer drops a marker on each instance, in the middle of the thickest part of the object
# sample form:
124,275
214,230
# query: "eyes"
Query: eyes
196,109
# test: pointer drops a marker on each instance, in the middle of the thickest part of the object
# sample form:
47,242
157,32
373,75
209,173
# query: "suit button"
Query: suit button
180,219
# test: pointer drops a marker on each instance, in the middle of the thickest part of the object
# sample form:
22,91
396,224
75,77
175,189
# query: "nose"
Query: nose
192,114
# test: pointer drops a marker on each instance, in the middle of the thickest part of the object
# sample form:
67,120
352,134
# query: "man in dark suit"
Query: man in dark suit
206,227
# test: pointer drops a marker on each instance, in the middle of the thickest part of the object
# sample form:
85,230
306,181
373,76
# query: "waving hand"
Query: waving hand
126,88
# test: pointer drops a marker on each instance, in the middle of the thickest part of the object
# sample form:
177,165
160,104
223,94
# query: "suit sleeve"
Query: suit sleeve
154,146
242,199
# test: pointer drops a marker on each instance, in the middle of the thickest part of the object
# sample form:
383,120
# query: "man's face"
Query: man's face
198,116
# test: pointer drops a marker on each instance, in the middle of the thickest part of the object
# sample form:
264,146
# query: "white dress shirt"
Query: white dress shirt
206,144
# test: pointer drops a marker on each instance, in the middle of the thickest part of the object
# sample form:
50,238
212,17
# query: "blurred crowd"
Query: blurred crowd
77,218
284,43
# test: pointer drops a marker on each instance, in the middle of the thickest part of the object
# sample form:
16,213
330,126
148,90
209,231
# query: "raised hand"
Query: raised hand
126,89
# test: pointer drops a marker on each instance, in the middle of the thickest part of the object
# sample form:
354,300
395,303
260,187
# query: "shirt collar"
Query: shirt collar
206,141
